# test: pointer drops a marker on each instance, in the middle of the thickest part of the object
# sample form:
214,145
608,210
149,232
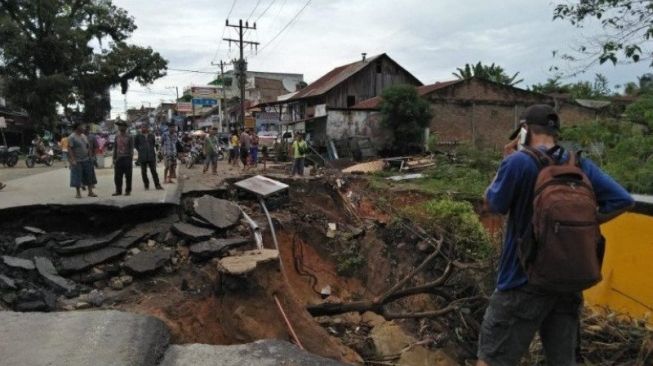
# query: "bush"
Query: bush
457,222
349,259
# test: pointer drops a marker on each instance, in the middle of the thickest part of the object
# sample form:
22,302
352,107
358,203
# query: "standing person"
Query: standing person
245,145
234,148
93,146
211,148
144,144
526,300
81,166
123,156
253,151
299,150
63,143
169,141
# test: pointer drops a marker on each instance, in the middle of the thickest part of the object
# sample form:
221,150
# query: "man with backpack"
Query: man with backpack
552,248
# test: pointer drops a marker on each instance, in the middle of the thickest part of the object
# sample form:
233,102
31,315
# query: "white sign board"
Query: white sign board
320,110
3,122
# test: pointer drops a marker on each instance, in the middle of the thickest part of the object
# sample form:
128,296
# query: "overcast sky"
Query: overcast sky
429,38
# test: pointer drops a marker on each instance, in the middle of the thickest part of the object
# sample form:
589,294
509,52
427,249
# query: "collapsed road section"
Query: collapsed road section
233,275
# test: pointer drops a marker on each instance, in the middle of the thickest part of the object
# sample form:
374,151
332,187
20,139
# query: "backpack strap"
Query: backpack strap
541,159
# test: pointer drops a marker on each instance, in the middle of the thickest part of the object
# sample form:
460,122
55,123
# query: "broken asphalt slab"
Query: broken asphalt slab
87,245
192,232
98,338
147,262
262,353
46,269
219,213
18,263
215,247
85,261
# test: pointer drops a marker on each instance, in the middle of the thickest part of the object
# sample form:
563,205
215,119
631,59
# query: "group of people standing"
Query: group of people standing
244,148
81,159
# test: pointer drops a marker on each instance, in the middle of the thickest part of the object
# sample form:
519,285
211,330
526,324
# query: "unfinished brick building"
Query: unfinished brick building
473,111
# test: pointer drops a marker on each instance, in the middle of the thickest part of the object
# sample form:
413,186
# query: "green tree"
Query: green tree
491,72
48,61
578,90
627,29
640,112
405,114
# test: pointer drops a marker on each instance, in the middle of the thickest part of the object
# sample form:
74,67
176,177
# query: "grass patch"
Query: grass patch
457,222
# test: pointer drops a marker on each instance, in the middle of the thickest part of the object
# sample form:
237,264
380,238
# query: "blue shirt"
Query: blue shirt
512,192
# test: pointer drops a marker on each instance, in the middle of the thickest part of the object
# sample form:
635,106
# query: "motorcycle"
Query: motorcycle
33,158
195,156
9,156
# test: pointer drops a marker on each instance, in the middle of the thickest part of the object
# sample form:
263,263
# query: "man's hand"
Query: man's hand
511,147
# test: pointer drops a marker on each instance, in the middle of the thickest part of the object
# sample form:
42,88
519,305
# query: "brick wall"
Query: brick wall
485,114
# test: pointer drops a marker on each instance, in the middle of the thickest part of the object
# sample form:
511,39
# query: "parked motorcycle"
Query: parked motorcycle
195,156
9,156
33,158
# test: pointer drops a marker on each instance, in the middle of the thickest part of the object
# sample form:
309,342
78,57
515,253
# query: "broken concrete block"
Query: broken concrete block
34,230
192,232
265,352
84,261
219,213
49,273
87,245
19,263
81,338
215,247
247,261
126,280
147,262
25,242
7,283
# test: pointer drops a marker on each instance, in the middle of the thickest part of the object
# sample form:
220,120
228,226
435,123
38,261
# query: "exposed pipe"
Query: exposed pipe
287,321
258,237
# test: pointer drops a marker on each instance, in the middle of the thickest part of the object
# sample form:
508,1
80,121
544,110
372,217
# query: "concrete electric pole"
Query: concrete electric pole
221,110
240,65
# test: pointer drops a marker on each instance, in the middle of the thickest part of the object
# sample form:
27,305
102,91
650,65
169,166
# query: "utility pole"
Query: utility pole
176,88
240,65
221,110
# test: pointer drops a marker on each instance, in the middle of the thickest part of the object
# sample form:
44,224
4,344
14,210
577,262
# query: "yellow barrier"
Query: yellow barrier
627,285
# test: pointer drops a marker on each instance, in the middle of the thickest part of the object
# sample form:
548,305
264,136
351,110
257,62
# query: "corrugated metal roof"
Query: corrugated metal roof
333,78
374,103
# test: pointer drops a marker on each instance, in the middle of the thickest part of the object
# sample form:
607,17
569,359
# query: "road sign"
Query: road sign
184,107
205,102
204,90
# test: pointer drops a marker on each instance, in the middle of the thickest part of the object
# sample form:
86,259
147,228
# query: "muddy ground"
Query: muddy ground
339,243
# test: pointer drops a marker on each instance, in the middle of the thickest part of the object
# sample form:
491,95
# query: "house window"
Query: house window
379,68
351,100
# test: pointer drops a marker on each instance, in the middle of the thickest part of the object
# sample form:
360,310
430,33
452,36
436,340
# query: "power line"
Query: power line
224,29
253,10
194,71
265,11
286,26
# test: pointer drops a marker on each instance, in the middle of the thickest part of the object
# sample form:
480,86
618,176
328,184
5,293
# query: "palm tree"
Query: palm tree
491,72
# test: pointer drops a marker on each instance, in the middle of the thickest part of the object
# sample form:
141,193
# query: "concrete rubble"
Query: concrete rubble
219,213
216,247
147,262
260,353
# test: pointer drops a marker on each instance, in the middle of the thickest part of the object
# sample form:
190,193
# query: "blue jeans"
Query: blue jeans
298,166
